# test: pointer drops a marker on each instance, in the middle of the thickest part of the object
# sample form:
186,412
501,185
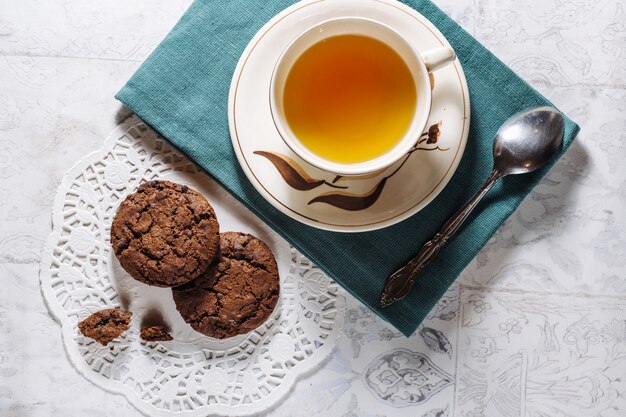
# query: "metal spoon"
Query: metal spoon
524,143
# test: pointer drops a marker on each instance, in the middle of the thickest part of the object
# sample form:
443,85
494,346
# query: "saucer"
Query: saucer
322,199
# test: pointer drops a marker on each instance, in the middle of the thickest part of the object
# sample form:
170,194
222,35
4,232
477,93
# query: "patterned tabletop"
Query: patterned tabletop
535,326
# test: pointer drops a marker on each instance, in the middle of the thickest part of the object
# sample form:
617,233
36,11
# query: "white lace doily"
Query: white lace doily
193,375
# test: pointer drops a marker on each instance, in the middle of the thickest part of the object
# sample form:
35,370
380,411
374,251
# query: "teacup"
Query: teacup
411,121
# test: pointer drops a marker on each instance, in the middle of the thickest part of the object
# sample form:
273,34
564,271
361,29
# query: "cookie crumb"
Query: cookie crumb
105,325
155,334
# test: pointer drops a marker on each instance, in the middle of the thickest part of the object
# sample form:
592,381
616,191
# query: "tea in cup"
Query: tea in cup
351,96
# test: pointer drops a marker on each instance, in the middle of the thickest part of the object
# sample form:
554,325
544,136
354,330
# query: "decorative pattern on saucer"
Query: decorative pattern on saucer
297,178
192,375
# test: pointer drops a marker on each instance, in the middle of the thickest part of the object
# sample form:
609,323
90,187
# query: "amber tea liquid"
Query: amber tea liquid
349,98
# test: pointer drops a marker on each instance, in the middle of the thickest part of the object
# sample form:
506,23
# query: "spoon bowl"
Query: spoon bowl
524,143
527,141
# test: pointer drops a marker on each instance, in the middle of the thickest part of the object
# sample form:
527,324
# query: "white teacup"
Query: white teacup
419,63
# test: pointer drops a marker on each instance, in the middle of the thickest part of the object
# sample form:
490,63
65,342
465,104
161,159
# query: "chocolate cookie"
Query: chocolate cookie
155,334
236,294
105,325
165,234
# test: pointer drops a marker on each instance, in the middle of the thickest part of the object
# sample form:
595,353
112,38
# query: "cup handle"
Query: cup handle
438,57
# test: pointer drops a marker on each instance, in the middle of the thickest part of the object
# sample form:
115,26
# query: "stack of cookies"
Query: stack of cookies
167,235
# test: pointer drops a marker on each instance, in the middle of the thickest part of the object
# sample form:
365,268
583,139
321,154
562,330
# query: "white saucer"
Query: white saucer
308,194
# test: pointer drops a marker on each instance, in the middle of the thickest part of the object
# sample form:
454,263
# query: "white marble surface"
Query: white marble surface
535,326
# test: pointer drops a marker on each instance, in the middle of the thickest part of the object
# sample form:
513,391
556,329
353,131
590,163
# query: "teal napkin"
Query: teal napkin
182,92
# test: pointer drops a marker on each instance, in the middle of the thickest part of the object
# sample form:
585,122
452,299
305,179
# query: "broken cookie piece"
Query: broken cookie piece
155,334
105,325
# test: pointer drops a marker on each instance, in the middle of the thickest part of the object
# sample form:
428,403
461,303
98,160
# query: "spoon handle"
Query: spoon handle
400,282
